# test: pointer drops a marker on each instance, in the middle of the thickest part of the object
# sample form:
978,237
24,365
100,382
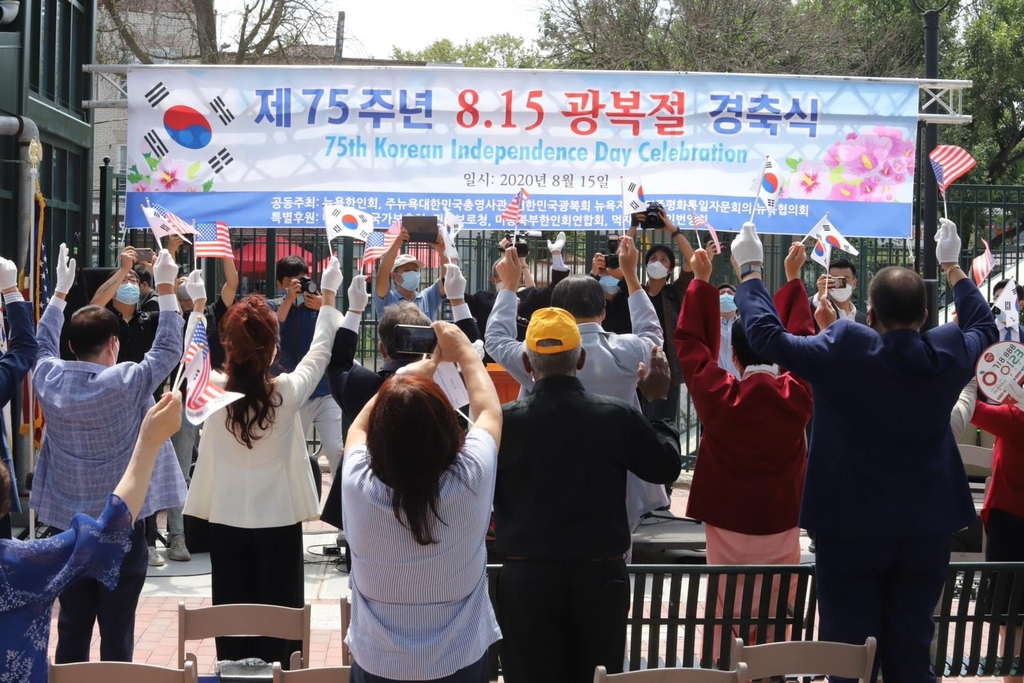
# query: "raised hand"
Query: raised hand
9,275
165,270
332,278
795,260
747,247
655,383
454,282
701,265
357,296
947,247
196,289
559,244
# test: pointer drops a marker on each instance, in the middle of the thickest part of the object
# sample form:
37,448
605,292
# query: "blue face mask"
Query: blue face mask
726,303
300,300
128,293
411,280
609,284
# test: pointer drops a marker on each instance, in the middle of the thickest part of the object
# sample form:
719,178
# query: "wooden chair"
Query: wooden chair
805,657
673,676
244,620
329,674
346,619
121,672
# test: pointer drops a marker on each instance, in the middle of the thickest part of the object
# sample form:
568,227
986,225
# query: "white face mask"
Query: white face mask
656,270
842,294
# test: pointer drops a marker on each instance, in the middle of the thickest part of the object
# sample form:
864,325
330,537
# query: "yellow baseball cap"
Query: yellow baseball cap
552,330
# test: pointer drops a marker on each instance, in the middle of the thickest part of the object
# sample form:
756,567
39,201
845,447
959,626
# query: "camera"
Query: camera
308,286
414,339
836,281
520,240
652,216
612,259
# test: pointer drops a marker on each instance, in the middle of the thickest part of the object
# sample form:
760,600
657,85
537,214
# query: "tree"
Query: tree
993,45
502,51
151,31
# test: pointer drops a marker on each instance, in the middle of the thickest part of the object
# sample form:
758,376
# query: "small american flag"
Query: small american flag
379,243
514,211
701,222
949,163
213,240
197,359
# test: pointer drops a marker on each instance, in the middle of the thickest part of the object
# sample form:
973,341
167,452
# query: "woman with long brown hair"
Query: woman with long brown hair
252,480
416,497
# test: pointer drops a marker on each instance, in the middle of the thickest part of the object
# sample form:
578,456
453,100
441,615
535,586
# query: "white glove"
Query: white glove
454,282
947,247
65,271
195,286
9,274
166,270
332,278
747,247
478,346
357,296
558,244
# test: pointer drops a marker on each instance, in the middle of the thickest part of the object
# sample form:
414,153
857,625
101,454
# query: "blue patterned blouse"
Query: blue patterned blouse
34,573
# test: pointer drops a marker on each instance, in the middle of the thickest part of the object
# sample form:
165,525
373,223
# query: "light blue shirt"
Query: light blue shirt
725,347
610,369
427,300
420,612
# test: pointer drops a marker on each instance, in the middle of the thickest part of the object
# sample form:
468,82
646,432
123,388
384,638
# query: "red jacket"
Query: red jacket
749,474
1006,423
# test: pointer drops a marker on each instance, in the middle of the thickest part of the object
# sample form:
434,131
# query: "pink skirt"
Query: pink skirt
731,548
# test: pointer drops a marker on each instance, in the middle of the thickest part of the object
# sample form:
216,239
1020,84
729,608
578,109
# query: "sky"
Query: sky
372,28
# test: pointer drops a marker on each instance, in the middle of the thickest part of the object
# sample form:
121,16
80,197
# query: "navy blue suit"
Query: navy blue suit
14,365
885,485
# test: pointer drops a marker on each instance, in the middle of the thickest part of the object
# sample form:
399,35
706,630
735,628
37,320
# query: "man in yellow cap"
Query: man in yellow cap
563,592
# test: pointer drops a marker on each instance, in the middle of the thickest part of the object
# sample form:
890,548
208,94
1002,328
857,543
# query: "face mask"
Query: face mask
609,284
300,300
842,294
411,280
656,270
128,293
726,303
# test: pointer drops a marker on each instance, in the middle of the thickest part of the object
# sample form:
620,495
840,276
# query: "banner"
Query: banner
269,146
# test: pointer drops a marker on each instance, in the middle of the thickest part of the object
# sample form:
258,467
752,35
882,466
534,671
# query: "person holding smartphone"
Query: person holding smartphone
840,283
403,271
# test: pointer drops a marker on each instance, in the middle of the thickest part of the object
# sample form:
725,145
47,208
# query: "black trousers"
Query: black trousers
560,621
257,566
886,588
87,601
5,527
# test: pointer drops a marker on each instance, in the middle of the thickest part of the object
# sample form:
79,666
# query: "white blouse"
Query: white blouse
272,484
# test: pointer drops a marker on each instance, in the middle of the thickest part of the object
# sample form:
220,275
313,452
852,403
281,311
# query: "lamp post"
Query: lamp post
930,210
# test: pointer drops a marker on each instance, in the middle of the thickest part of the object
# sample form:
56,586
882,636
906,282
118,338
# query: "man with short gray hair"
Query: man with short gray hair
564,544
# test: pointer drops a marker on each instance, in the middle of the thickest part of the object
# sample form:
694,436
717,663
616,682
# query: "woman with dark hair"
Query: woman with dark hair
34,573
252,480
416,499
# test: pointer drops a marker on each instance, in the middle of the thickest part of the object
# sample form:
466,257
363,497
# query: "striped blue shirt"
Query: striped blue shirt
420,612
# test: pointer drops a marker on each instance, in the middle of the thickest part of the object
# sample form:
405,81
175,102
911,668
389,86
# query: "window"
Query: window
122,159
59,49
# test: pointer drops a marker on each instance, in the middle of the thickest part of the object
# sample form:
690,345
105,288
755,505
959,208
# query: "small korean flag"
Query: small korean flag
347,221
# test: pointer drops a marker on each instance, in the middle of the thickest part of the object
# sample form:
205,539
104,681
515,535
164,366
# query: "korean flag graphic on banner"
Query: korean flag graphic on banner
180,139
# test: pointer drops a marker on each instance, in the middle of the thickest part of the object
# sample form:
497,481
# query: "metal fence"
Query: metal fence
992,214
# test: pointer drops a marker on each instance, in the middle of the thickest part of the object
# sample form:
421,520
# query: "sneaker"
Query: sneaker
177,550
155,560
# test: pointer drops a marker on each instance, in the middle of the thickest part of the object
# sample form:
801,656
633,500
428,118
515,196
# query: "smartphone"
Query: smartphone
414,339
837,282
421,228
144,254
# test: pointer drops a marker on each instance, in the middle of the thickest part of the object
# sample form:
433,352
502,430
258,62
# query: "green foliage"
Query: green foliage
503,51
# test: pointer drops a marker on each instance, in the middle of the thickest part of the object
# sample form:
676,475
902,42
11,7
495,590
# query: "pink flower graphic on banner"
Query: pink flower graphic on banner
811,180
845,192
865,156
170,176
871,165
141,187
